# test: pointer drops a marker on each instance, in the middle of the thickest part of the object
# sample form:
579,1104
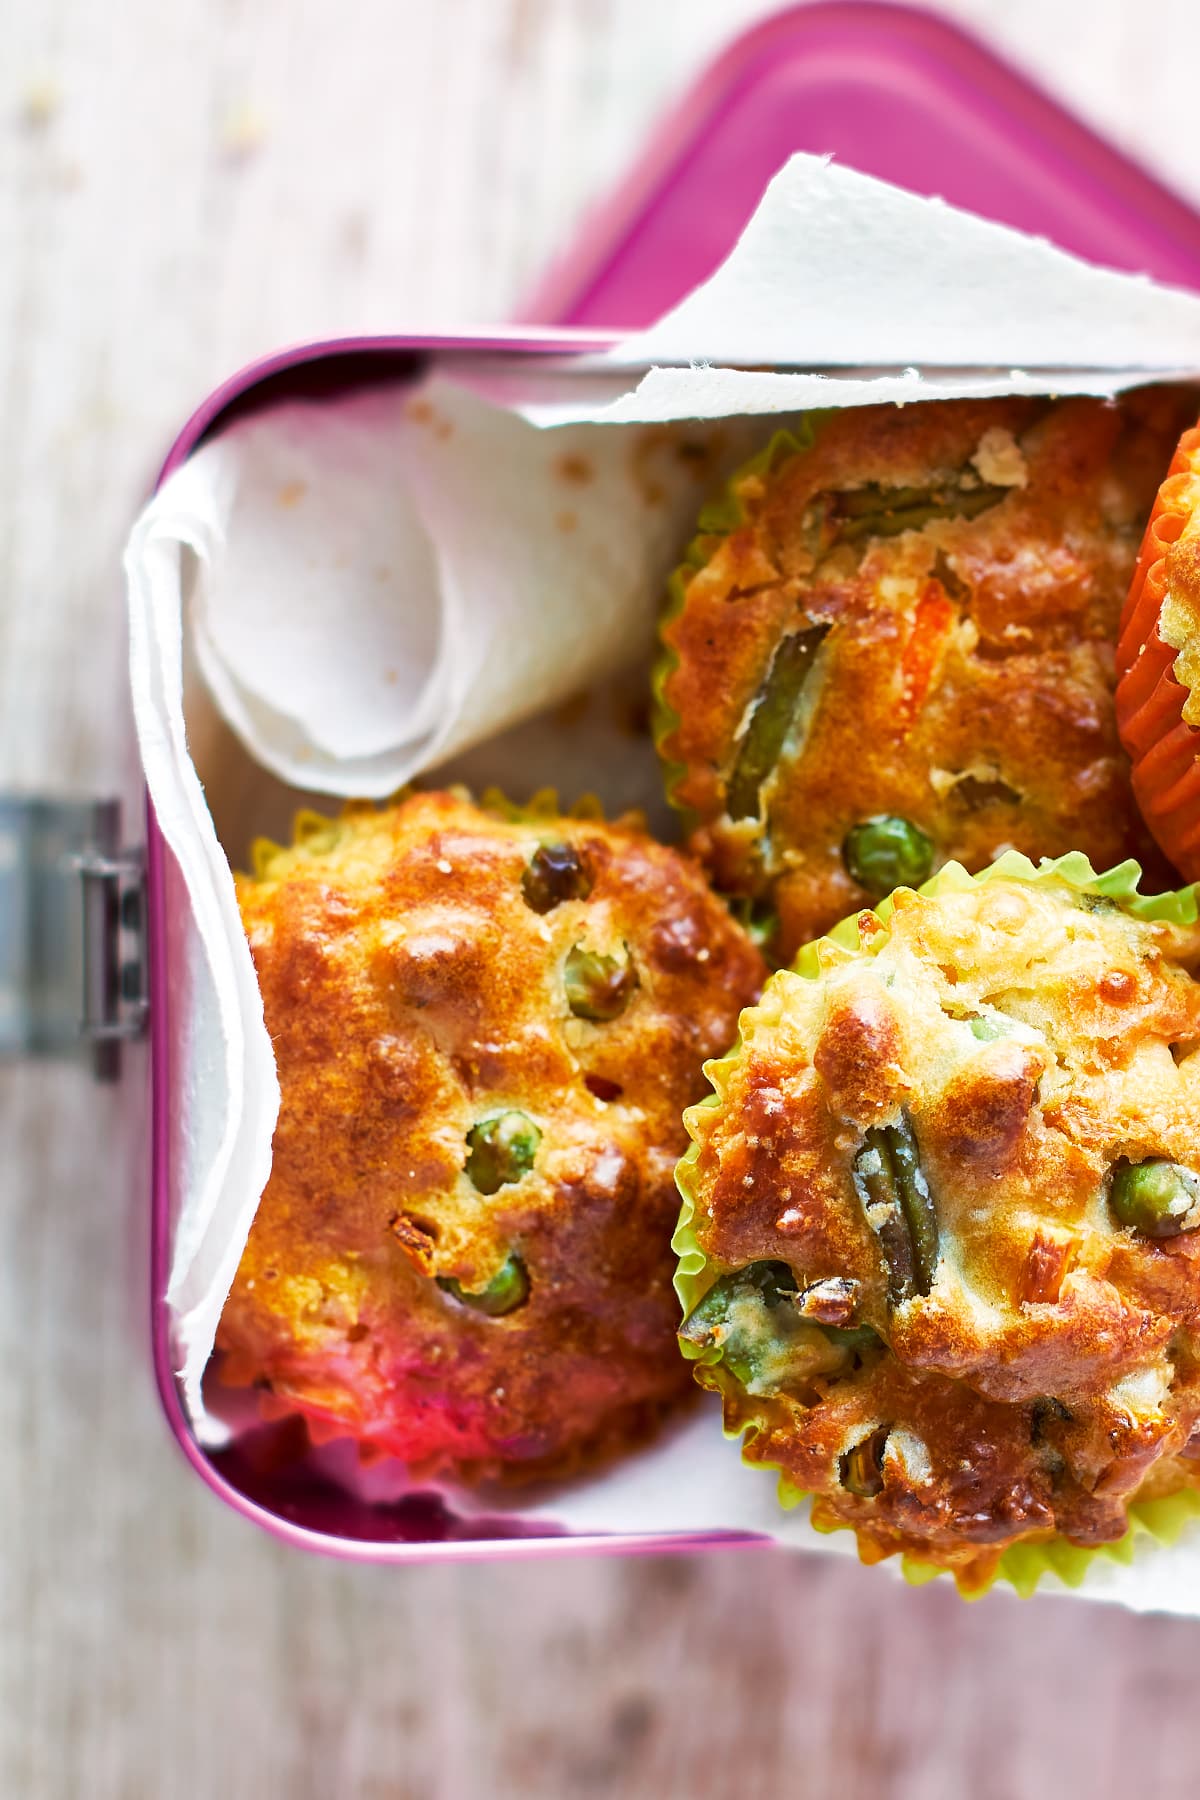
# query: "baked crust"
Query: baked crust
411,990
1027,1041
962,675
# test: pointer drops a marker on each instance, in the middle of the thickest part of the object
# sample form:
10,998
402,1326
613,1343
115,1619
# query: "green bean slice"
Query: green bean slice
885,512
773,716
900,1208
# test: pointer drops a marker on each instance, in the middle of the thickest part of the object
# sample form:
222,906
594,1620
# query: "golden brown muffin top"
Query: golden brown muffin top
926,1163
914,618
486,1029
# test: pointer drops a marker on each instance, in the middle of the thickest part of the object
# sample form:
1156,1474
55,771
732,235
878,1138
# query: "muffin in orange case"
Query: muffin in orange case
1158,664
890,647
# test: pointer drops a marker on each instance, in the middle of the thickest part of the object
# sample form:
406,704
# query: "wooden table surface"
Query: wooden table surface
182,187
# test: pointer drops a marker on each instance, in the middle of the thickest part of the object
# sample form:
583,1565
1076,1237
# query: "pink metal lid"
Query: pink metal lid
890,91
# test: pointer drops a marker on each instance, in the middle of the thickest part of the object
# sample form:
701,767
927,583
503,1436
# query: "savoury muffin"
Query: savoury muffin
892,645
939,1241
487,1025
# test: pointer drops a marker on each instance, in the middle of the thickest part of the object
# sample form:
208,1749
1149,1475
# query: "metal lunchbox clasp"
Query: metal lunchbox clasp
72,925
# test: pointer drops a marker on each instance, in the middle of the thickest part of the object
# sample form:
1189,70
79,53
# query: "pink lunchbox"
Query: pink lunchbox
892,92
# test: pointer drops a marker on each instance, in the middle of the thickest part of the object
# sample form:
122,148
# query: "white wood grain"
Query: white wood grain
182,187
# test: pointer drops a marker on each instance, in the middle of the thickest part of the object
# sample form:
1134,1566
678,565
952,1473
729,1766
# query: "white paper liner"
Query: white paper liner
371,587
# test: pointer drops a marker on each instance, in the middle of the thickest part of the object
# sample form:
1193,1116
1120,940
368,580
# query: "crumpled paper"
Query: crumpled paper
355,592
387,581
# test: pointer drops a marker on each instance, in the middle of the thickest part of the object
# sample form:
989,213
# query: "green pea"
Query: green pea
985,1029
861,1468
754,1316
774,1281
739,1314
899,1207
598,986
556,872
772,719
501,1149
887,852
1156,1197
508,1289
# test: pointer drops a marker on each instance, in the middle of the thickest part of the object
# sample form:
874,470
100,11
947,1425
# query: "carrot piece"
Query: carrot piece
935,616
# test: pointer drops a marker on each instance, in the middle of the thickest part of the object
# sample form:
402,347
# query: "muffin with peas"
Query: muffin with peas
487,1024
891,646
940,1242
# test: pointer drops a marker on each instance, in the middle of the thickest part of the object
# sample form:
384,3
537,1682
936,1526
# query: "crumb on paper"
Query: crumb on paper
243,130
40,102
420,412
999,459
575,469
566,521
391,677
444,428
291,493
